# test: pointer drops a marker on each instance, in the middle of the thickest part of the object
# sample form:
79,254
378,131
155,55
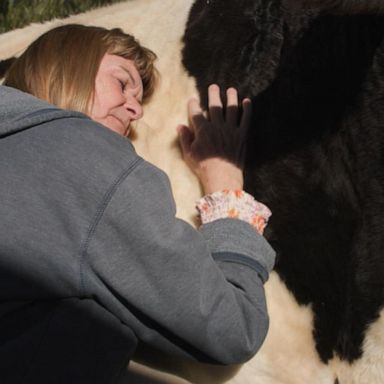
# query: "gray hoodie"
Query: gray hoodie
93,259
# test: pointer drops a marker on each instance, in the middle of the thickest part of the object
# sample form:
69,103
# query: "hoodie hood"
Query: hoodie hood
20,111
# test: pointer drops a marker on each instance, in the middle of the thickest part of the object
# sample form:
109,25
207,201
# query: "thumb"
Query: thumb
186,138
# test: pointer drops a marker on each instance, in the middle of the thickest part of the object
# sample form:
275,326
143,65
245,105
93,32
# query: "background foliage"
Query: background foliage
19,13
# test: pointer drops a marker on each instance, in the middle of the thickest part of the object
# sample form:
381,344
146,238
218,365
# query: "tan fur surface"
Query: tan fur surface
288,355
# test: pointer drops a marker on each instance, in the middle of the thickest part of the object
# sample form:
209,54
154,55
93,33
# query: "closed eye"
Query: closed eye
122,84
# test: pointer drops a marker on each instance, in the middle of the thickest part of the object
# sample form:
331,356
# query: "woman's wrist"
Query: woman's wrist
217,174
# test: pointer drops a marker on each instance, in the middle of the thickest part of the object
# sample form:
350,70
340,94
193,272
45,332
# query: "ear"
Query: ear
340,7
5,65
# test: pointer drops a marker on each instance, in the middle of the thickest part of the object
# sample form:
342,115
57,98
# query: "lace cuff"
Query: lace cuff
234,204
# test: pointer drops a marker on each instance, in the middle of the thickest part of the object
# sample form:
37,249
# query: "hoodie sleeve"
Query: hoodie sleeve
196,293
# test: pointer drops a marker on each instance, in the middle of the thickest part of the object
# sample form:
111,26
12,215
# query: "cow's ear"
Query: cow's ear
340,7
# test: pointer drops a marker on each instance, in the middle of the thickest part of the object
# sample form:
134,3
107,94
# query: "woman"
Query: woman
60,67
93,260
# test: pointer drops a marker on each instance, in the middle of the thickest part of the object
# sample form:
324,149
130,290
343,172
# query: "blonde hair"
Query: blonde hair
61,65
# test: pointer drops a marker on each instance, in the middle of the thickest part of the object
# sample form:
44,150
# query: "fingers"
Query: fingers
217,118
232,111
246,116
195,114
215,106
186,138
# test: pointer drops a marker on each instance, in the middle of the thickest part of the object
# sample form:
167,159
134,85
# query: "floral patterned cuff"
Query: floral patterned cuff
233,204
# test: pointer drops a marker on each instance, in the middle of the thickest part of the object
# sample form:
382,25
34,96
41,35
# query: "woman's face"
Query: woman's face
118,94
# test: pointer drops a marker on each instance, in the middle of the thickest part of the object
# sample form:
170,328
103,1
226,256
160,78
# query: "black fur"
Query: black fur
315,152
340,6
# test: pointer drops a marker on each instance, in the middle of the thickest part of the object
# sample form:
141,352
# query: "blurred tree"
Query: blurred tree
19,13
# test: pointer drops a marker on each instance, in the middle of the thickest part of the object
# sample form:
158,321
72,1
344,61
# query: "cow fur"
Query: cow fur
341,7
315,150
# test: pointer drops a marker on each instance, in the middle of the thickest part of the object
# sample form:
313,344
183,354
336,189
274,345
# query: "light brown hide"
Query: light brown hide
288,356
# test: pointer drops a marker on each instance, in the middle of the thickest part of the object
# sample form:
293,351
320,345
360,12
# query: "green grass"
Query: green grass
19,13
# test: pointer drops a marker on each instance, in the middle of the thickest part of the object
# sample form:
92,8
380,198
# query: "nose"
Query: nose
134,108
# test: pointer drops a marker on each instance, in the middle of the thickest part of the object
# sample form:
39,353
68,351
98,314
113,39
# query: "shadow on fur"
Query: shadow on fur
5,65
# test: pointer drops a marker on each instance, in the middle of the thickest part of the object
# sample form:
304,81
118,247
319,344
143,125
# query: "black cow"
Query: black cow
315,152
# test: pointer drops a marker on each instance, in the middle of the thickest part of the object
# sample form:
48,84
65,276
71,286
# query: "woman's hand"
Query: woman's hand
214,147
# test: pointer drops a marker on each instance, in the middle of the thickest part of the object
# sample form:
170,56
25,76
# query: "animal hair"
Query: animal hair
314,149
340,6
